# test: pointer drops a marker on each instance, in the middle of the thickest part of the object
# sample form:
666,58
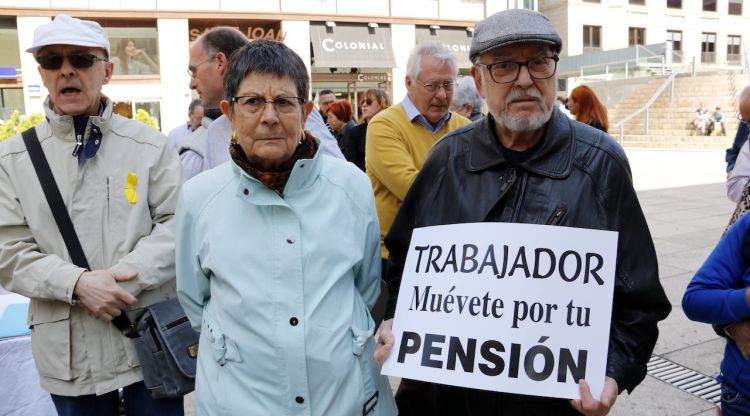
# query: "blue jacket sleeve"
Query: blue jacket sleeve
716,294
739,139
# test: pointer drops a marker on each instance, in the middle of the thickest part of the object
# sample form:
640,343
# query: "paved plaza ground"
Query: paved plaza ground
684,199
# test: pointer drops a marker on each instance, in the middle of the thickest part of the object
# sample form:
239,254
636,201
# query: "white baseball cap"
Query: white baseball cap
66,30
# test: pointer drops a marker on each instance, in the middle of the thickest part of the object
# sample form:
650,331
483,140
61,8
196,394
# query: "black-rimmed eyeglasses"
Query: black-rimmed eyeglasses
252,104
505,72
77,60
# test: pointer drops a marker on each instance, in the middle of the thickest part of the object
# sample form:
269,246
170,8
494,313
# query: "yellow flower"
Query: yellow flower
130,193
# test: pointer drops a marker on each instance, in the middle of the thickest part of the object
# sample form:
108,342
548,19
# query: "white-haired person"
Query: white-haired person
466,99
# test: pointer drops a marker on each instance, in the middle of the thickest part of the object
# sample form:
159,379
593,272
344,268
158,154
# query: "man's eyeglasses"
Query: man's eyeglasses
505,72
191,70
435,86
77,60
251,105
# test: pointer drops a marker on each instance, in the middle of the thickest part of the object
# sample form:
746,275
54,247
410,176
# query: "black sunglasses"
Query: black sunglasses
77,60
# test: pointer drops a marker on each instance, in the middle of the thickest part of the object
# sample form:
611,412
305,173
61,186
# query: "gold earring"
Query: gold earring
234,137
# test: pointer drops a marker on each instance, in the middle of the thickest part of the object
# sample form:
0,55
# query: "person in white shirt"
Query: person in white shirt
195,114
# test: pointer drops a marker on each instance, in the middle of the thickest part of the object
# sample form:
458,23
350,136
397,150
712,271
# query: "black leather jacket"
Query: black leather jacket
577,176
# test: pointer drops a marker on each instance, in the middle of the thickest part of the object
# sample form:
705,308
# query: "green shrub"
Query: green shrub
144,117
17,123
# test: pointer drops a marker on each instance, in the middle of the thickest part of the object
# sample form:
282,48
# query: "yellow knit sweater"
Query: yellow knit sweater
394,153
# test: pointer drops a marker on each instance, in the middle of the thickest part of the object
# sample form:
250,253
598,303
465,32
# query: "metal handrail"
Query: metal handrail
669,82
636,61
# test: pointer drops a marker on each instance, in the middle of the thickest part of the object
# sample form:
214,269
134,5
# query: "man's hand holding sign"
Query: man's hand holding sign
516,308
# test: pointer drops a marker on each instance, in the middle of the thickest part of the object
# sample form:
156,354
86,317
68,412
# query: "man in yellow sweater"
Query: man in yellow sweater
399,137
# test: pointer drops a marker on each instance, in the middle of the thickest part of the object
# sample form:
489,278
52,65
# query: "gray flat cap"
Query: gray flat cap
513,26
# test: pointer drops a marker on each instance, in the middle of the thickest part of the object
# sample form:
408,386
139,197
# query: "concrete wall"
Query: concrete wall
403,42
34,91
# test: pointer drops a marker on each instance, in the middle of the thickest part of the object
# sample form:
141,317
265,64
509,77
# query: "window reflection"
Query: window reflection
134,50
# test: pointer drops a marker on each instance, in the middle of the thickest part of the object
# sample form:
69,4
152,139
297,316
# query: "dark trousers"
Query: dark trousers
138,402
417,398
378,310
733,403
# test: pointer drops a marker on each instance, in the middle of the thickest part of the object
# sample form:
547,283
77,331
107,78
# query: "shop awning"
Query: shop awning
456,39
355,46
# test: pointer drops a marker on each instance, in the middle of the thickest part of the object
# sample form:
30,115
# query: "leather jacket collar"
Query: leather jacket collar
553,157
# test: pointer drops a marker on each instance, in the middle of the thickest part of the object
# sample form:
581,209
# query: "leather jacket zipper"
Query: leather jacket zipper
557,216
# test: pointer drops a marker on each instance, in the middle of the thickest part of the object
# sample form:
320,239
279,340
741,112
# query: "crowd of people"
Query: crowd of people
275,223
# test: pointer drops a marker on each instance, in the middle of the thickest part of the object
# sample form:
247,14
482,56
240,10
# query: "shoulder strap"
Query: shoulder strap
57,206
54,199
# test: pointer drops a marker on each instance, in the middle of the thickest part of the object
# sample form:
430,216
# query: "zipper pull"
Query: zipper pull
79,143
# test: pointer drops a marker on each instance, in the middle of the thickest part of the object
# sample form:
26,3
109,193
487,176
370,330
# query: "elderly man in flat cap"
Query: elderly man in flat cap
119,180
529,163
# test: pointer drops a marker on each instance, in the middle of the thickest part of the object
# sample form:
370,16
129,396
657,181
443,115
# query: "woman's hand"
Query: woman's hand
740,333
588,406
385,341
145,58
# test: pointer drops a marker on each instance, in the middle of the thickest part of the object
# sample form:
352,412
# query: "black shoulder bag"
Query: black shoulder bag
166,344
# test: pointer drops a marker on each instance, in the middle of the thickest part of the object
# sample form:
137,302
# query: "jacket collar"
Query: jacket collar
304,173
62,126
553,157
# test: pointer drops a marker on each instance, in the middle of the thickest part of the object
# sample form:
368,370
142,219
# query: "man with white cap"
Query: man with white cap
528,163
119,180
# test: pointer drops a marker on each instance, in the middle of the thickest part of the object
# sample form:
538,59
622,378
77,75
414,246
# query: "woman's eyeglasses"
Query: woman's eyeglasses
252,105
368,101
77,60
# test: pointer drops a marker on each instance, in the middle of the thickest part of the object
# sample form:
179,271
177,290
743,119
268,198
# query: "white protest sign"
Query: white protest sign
517,308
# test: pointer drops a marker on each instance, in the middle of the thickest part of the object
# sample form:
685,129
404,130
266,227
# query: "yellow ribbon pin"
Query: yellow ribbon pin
130,193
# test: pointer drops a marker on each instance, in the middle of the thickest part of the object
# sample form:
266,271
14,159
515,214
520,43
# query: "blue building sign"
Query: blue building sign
8,72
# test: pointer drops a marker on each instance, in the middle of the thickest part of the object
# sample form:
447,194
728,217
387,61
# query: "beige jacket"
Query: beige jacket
76,353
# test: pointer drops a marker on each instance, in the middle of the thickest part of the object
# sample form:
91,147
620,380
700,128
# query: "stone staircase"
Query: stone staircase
670,123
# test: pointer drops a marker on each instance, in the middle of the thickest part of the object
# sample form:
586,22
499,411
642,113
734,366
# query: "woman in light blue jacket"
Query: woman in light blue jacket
278,259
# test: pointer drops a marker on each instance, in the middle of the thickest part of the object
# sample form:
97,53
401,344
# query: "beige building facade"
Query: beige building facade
349,45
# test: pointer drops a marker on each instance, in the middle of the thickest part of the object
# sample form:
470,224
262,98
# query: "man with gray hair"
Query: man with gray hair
209,57
528,163
119,181
466,99
399,137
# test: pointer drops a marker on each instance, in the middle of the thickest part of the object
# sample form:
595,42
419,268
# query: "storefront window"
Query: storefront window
11,93
148,112
11,56
134,46
11,99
